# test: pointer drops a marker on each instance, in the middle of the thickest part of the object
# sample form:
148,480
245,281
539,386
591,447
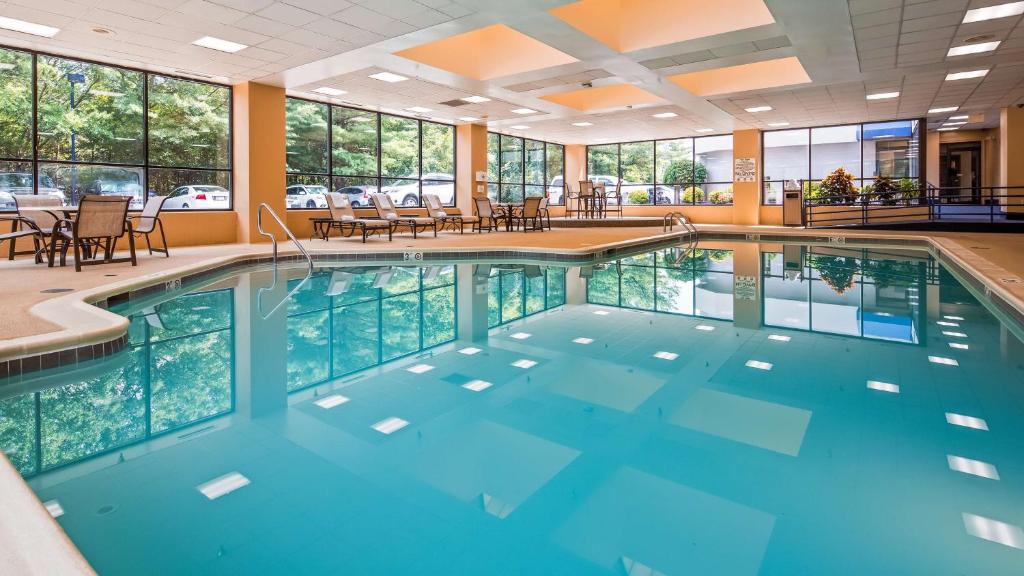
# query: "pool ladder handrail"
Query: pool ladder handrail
273,241
669,221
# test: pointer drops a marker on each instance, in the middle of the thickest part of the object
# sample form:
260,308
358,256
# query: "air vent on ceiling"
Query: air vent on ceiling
454,103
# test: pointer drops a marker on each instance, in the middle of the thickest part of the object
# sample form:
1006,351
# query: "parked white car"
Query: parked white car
433,183
306,196
556,190
20,183
198,197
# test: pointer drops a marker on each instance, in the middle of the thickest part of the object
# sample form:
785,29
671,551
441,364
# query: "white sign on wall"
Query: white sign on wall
744,170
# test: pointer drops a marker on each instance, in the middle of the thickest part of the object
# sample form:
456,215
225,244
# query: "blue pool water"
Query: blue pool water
736,409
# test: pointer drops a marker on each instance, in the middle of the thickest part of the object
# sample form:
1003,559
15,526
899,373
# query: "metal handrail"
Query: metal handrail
273,240
669,221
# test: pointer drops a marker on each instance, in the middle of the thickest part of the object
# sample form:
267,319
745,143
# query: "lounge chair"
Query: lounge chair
149,222
100,221
23,228
435,209
386,211
530,214
343,217
485,212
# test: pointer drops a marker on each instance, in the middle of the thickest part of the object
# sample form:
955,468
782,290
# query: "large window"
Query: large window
352,319
867,151
85,128
520,168
678,171
358,153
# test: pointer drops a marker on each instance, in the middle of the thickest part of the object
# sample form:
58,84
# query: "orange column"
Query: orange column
746,144
575,164
259,156
470,158
1011,157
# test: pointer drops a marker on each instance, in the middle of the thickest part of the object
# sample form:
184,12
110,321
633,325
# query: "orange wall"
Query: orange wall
470,158
747,195
259,155
198,228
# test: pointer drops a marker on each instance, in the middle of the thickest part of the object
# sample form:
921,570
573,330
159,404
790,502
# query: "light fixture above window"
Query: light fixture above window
993,12
967,75
972,48
388,77
665,115
219,44
327,90
883,95
582,124
705,130
778,124
943,110
28,27
475,99
419,109
756,109
524,111
519,127
469,118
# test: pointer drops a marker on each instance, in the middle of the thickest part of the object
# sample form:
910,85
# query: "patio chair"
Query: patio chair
149,222
23,228
343,217
100,221
530,214
42,211
572,201
545,213
587,204
435,209
386,211
486,213
617,196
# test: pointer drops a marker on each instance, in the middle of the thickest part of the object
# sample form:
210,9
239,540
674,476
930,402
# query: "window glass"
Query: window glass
354,141
15,105
511,160
675,162
602,161
835,147
786,157
534,162
306,136
89,112
493,146
400,147
438,151
555,169
891,149
71,181
188,123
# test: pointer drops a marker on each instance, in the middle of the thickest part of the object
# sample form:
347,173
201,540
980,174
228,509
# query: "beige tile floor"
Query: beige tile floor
21,281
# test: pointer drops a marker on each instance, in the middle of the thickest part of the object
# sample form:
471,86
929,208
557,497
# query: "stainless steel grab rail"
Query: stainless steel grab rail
669,221
273,240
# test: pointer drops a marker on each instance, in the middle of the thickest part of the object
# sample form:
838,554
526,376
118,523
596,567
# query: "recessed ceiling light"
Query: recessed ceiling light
328,402
662,355
329,91
945,109
966,75
582,124
469,351
28,27
665,115
477,385
705,130
521,335
756,109
524,111
960,123
973,467
943,361
419,368
390,425
469,118
388,77
223,485
962,117
883,95
778,124
519,127
475,99
993,12
966,421
993,530
883,386
524,363
419,109
960,318
947,129
953,334
779,338
759,365
219,44
972,49
582,340
704,328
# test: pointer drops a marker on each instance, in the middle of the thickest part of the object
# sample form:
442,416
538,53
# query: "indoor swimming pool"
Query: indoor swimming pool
730,408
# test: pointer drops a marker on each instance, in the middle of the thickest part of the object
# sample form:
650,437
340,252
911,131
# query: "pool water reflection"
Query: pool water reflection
725,409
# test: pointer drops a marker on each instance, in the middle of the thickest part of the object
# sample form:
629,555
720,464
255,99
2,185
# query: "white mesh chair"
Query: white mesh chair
149,222
386,211
435,209
344,218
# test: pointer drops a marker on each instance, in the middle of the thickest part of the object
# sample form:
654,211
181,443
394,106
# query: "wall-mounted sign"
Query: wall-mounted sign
745,288
744,170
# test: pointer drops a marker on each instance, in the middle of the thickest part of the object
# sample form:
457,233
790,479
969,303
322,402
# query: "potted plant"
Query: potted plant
884,190
909,189
722,196
837,272
838,188
693,195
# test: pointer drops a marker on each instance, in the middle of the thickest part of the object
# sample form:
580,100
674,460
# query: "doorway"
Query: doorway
960,172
